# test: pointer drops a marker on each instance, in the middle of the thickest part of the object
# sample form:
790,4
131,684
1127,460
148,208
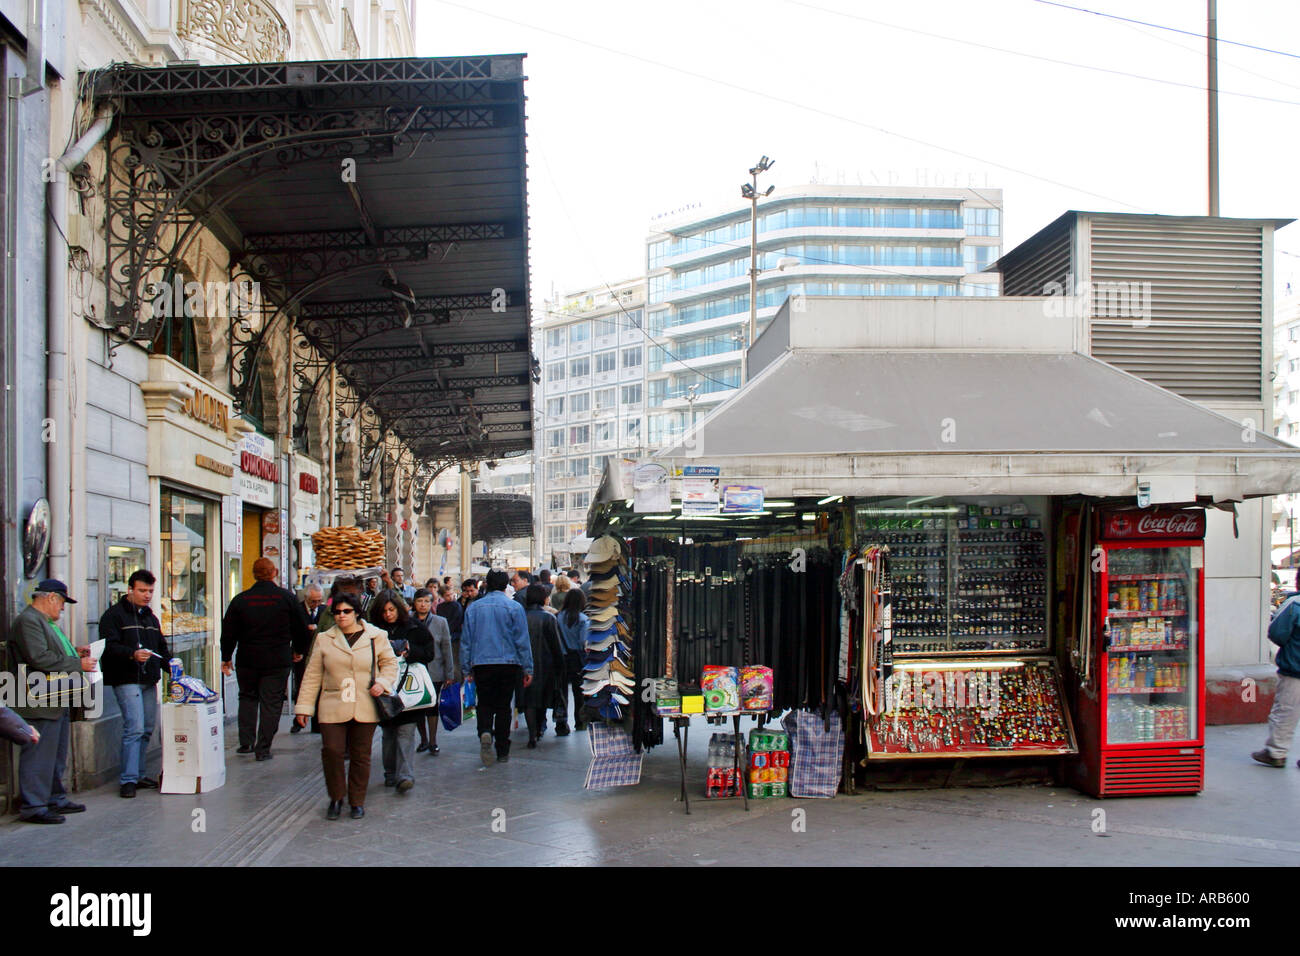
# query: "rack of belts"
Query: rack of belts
746,602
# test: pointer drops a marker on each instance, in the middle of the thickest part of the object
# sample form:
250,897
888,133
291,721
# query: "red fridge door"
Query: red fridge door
1151,645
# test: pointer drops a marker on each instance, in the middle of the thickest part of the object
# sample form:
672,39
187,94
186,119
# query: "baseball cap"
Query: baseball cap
603,549
54,586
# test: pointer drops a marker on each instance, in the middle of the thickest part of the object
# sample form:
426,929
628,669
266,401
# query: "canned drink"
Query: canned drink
778,789
176,667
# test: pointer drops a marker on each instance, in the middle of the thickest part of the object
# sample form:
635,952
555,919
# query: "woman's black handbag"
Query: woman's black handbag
389,705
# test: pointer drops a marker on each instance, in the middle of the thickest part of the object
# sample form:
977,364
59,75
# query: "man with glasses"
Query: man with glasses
44,649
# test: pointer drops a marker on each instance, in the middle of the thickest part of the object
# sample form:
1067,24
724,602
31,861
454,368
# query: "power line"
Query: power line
1034,56
797,105
1161,26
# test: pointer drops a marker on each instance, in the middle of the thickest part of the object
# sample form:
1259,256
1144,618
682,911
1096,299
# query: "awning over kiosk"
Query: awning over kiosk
863,397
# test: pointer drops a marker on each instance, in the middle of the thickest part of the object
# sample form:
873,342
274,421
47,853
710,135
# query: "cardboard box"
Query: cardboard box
194,748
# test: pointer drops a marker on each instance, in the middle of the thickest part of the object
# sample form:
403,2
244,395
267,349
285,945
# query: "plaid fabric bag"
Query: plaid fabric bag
816,755
614,763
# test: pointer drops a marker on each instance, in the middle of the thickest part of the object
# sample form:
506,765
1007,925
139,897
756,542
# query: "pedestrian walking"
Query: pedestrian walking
451,610
575,627
337,686
43,649
134,654
548,666
495,649
413,644
468,592
520,583
441,665
398,577
318,617
1285,712
562,585
265,629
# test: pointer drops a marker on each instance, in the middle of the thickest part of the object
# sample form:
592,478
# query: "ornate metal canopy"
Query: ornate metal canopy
495,516
380,207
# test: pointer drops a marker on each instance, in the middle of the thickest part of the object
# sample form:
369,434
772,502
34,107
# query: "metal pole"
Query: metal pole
753,276
1212,83
466,489
333,444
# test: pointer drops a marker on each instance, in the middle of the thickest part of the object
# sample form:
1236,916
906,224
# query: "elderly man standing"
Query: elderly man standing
38,644
269,631
319,619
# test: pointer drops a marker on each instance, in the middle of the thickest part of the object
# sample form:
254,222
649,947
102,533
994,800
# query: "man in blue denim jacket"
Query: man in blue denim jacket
494,646
1283,717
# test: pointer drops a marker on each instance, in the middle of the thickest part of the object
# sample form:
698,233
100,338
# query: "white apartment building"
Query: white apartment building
813,240
1286,423
590,404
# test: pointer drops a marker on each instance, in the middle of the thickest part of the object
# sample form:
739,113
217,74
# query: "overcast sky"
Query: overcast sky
634,110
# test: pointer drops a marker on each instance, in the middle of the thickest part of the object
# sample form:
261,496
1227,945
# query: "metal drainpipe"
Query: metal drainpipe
58,453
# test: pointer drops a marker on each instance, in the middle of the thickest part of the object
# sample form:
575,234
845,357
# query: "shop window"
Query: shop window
185,600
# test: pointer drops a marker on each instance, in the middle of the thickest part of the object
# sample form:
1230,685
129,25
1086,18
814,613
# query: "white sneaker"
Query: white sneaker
485,749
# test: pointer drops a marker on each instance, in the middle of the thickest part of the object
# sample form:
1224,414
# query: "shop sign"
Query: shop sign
306,483
700,491
211,464
1155,524
742,499
258,472
208,409
271,537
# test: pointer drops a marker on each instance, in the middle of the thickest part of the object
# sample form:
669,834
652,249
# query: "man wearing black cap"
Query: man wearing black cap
43,649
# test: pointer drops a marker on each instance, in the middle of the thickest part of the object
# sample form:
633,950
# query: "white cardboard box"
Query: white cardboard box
194,748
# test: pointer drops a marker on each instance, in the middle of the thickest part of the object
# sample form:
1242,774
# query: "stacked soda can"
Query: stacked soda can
769,763
723,780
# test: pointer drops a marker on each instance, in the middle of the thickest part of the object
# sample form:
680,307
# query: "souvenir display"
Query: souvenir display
975,707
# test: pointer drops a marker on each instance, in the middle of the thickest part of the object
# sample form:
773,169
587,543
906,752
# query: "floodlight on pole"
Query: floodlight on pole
750,191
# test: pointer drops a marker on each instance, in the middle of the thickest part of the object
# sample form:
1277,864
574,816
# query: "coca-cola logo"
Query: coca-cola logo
1163,524
1167,524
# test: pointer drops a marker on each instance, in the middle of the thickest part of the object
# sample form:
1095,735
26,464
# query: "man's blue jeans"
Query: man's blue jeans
139,705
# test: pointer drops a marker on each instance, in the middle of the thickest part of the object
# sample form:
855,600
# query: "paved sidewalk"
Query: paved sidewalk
273,814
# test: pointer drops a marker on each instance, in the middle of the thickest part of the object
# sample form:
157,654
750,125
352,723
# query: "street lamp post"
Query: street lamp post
750,191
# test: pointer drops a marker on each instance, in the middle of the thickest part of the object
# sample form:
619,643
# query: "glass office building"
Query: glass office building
812,240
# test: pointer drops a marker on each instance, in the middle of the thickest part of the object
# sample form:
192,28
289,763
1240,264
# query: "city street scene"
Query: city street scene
802,434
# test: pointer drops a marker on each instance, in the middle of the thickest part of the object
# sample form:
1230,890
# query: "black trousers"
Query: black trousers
571,679
261,699
496,687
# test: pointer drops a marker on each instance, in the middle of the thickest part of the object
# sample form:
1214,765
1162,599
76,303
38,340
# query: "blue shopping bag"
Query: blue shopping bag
449,709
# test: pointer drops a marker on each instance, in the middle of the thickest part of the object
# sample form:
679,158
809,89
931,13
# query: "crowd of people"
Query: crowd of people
516,638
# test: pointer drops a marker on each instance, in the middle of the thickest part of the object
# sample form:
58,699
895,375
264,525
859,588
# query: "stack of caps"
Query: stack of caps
609,680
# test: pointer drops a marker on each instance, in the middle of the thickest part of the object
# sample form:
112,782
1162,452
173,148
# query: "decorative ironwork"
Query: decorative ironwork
246,30
334,240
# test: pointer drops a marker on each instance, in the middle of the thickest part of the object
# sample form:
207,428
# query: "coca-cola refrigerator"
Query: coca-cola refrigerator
1141,710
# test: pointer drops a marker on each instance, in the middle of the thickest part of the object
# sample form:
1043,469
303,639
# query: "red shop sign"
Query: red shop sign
1154,524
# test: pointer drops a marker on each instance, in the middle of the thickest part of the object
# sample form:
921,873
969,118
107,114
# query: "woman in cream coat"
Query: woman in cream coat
339,674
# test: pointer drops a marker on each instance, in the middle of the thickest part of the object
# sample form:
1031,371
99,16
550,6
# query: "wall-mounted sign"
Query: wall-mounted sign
211,464
700,492
650,489
208,409
742,499
258,471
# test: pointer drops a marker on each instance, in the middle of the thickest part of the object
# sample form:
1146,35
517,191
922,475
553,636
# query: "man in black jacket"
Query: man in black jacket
269,631
135,653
